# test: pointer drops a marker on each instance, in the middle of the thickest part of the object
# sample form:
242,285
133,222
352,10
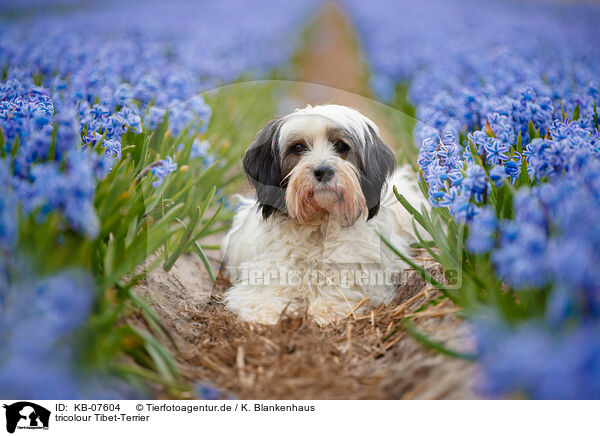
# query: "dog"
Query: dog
311,240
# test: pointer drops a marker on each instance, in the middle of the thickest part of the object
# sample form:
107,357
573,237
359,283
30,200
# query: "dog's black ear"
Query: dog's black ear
378,165
262,164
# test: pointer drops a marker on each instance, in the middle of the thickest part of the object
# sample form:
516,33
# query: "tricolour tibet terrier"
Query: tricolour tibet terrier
311,240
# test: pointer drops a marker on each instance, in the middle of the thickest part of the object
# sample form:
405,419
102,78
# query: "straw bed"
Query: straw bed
361,356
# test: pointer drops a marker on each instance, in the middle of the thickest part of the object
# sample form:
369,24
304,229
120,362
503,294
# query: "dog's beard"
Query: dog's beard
309,201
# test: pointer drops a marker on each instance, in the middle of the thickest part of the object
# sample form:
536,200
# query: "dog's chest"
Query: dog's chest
302,246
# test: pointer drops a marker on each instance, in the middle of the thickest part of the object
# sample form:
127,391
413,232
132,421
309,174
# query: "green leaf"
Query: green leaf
206,225
160,357
424,244
109,256
205,261
184,241
531,130
149,375
435,345
576,113
426,276
208,200
523,176
15,147
474,154
409,207
562,110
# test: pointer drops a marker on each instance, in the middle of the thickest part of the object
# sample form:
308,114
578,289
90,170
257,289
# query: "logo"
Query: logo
26,415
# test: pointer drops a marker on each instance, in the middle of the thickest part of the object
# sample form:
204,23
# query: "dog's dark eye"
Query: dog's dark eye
298,148
341,147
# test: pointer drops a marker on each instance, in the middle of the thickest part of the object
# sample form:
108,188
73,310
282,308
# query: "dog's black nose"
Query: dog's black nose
324,173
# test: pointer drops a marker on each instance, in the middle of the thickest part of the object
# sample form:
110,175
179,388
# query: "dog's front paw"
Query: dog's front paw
325,312
261,305
265,315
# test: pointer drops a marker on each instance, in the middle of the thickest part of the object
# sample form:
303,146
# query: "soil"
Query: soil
369,357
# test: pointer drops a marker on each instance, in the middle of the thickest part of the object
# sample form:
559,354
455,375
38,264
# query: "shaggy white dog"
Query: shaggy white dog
323,179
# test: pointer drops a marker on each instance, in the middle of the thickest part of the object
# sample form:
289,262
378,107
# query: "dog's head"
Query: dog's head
319,163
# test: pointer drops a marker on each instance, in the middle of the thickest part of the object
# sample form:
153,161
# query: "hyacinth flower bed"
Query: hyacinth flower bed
107,155
505,95
111,152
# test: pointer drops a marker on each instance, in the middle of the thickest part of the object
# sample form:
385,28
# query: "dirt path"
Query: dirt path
370,357
332,69
358,358
331,58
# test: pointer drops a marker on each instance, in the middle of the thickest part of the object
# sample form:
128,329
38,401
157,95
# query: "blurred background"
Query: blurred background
122,125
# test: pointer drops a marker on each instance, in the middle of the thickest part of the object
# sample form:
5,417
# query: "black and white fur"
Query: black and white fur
323,180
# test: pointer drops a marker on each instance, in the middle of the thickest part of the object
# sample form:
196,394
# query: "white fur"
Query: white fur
346,116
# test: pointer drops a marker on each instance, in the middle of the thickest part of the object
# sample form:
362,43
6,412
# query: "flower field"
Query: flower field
119,139
508,142
105,157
